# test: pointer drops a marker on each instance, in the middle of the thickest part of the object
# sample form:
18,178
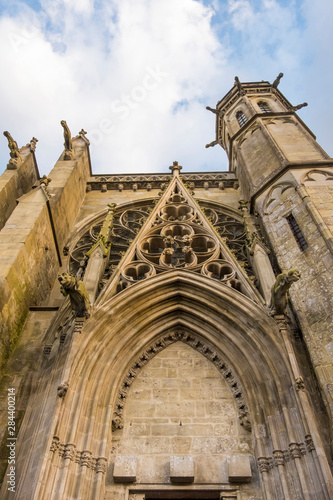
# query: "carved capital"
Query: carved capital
264,464
55,444
309,443
69,451
101,465
295,451
86,457
278,457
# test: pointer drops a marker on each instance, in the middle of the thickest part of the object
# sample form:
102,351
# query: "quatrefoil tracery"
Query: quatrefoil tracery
178,238
177,245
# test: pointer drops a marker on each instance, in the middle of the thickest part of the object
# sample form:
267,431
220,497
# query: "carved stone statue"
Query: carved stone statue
15,158
238,84
68,141
77,293
277,81
279,297
14,151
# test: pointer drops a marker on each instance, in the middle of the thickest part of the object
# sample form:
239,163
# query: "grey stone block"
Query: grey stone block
124,469
239,469
181,469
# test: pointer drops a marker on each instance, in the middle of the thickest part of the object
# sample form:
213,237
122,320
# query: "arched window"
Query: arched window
241,118
264,107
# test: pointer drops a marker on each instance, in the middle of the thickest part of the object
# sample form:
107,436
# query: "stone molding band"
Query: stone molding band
139,181
83,458
282,457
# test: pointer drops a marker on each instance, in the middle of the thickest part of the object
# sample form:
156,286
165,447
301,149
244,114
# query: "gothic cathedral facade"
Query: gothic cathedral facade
169,336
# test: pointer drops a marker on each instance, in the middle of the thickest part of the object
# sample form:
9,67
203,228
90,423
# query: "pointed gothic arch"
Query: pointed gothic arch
232,323
94,360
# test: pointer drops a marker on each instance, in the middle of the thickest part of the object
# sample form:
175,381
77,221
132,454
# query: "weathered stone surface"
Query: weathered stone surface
175,364
239,469
181,469
125,469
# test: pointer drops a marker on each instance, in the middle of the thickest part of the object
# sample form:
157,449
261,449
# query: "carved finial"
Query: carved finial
277,81
279,297
299,106
175,168
15,158
82,134
68,141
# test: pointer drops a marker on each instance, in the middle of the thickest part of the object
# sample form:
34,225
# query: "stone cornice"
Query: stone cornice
133,182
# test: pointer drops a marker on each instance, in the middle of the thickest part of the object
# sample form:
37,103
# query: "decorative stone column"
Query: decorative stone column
97,256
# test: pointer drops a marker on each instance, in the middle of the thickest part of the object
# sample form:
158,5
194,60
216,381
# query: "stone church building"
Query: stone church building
169,336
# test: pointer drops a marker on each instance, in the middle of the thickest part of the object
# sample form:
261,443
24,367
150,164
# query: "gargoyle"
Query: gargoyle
14,150
279,297
277,81
68,141
77,293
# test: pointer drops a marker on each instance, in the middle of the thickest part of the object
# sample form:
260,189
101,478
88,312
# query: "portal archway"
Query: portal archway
232,325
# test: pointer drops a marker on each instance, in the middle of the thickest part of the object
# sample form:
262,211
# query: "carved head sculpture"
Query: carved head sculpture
293,276
279,297
69,285
67,282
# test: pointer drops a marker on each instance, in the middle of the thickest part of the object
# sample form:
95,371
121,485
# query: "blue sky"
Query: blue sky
137,75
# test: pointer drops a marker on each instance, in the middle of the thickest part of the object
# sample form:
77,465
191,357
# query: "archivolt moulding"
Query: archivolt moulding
196,343
316,175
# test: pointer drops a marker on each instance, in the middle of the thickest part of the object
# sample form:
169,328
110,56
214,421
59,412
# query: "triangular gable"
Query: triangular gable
177,235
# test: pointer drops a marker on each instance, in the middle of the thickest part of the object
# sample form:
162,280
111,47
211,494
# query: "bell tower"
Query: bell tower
287,180
262,134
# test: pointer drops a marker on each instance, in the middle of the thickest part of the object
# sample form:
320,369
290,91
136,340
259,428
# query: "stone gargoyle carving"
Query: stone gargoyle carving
279,297
277,81
68,141
15,158
69,285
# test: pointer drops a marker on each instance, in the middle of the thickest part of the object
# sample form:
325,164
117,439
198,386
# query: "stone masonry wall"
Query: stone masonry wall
180,405
311,296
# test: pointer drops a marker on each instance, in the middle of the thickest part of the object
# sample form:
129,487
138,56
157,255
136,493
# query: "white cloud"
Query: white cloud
241,13
138,75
